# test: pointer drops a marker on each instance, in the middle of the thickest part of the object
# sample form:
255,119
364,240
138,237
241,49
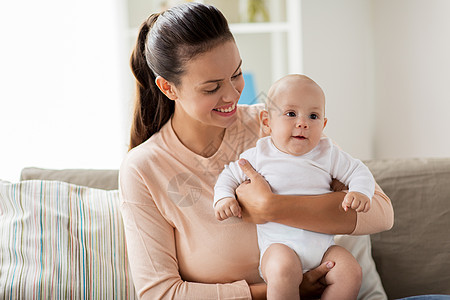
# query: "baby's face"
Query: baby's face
296,117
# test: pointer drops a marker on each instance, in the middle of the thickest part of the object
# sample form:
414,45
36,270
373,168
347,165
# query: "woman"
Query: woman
186,127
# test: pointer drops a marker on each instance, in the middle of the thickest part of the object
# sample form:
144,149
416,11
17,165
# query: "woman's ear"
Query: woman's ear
166,87
264,116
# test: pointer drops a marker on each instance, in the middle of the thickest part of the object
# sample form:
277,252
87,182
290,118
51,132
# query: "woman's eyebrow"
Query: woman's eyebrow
218,80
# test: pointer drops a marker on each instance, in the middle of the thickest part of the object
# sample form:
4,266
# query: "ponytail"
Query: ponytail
166,42
152,109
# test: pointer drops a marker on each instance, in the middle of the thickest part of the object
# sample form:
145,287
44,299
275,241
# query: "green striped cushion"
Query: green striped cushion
61,241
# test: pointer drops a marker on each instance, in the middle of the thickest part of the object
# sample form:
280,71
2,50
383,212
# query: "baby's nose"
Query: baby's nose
302,123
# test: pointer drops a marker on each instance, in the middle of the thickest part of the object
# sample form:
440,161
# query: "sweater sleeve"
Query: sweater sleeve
152,249
380,216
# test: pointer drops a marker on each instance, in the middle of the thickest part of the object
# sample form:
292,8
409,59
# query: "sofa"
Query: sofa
62,235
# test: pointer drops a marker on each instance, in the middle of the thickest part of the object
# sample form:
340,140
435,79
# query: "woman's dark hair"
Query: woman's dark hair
166,41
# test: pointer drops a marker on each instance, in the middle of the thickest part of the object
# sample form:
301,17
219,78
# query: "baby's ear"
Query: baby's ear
325,122
264,117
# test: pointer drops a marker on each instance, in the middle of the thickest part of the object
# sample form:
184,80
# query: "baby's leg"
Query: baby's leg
282,271
344,280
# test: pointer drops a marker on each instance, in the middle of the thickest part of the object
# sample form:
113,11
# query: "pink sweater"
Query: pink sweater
176,247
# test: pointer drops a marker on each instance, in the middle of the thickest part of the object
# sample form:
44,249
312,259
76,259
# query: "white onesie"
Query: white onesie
308,174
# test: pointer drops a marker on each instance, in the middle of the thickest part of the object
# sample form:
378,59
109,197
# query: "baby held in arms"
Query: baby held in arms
297,159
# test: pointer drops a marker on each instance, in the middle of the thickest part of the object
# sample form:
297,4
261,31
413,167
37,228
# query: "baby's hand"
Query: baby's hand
226,208
356,201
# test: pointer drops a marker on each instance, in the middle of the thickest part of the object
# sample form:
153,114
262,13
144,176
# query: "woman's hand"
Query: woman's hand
254,195
338,186
319,213
313,283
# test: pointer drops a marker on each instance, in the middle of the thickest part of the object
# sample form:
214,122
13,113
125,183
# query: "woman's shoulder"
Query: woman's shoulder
244,133
140,170
249,117
250,112
147,154
144,150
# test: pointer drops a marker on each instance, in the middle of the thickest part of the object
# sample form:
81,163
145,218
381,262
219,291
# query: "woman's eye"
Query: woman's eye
237,75
291,114
214,90
313,116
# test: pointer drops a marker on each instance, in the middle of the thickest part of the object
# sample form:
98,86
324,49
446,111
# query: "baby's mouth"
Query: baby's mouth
299,137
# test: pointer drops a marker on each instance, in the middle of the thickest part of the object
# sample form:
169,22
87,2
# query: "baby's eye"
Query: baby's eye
313,116
290,114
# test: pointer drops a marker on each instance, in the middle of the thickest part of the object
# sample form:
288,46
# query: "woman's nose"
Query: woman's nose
233,92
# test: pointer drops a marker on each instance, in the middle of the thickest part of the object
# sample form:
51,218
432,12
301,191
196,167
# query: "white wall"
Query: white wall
385,69
338,55
412,59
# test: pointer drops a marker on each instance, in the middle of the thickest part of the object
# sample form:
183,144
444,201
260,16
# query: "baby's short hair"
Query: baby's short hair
274,89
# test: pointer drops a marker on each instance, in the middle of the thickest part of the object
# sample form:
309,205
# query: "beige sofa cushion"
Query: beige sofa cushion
359,246
413,258
100,179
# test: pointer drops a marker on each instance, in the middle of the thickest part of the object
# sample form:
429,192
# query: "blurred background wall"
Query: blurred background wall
386,71
66,89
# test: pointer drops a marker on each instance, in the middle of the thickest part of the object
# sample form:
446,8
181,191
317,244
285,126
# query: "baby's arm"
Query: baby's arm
357,176
225,203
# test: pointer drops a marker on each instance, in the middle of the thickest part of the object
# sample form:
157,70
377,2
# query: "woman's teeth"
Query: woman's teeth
231,108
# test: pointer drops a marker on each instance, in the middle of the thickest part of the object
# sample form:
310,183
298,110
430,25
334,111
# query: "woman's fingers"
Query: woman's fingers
247,169
313,283
320,272
254,196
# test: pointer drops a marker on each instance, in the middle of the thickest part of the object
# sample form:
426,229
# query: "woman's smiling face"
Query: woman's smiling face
210,88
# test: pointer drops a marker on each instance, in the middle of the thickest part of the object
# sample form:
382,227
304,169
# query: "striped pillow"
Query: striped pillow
61,241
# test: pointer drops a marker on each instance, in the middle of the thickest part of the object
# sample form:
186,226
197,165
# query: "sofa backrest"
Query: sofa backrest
413,258
100,179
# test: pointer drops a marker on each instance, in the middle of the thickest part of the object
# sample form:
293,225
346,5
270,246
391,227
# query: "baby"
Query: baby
297,159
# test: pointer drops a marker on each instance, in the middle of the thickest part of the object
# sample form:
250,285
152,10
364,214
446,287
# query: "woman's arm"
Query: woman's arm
320,213
258,291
